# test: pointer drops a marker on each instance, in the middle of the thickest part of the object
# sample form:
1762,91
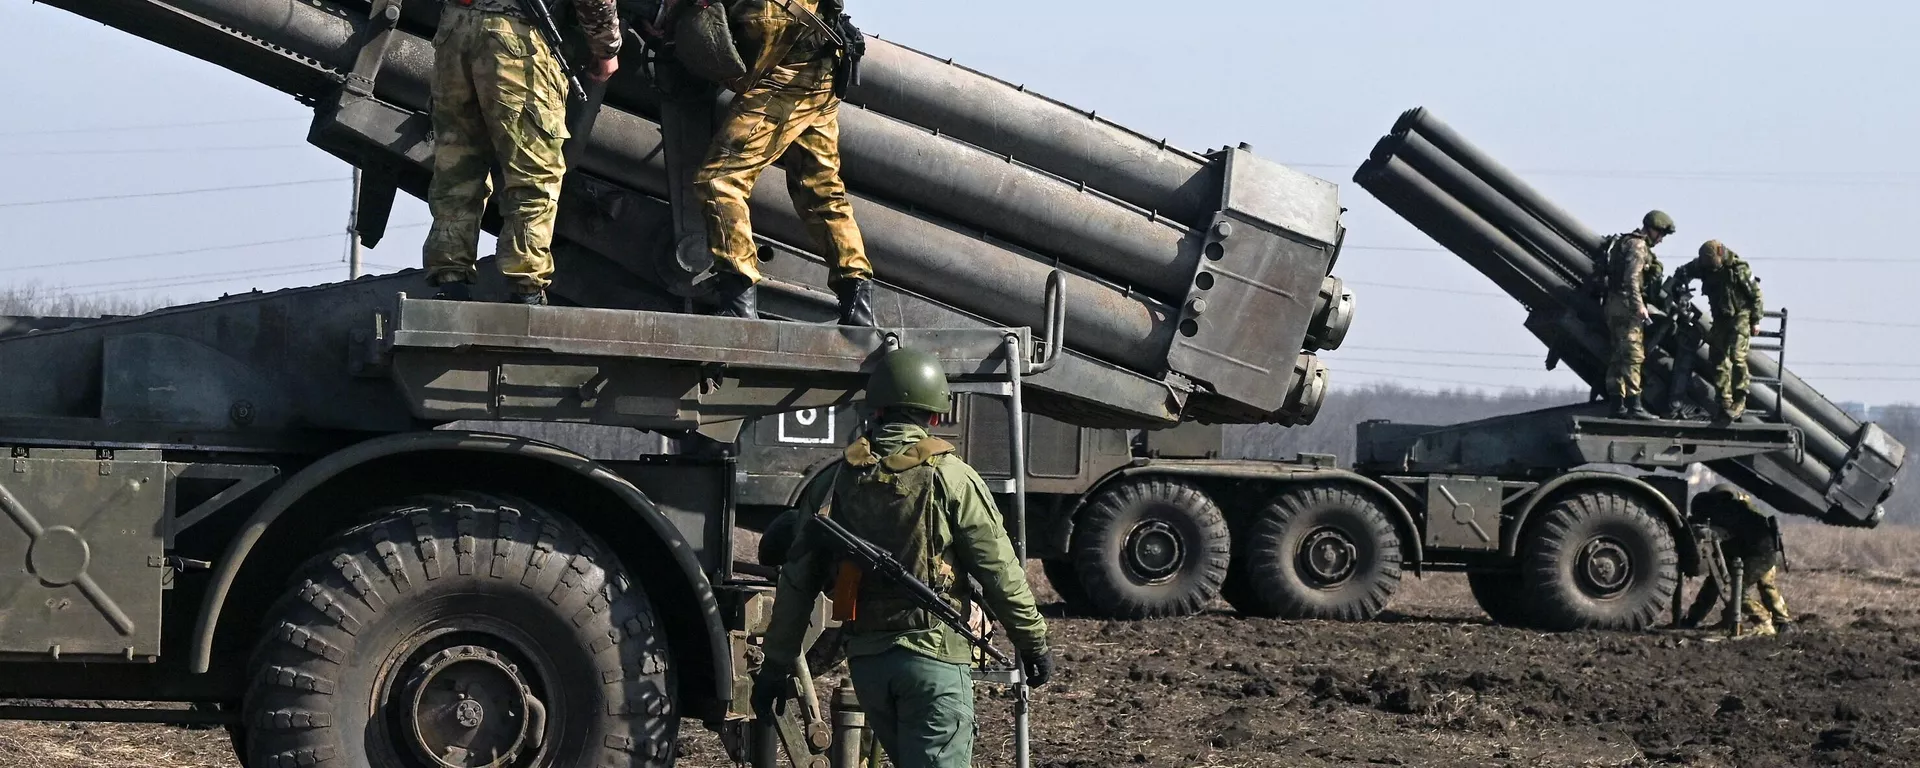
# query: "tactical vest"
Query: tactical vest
894,502
1650,273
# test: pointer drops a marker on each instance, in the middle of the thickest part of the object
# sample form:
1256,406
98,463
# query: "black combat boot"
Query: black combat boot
534,298
453,290
1633,410
856,303
738,295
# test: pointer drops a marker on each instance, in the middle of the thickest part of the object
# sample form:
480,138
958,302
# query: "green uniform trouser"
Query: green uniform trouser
1627,350
1728,345
499,101
790,112
920,708
1763,602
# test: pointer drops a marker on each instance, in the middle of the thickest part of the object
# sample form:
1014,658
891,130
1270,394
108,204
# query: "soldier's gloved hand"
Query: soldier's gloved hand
1038,668
1645,316
768,686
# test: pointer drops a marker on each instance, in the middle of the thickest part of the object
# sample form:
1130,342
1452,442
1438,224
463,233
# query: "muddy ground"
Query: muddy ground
1432,685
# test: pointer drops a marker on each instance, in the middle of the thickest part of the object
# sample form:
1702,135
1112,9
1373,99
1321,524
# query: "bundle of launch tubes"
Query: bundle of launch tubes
1541,255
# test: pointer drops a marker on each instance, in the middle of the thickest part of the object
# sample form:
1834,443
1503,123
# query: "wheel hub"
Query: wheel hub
470,708
1605,569
1154,552
1328,558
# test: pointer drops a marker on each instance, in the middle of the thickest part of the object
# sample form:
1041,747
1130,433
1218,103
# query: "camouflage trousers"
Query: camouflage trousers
1728,344
499,104
792,112
1627,351
1763,605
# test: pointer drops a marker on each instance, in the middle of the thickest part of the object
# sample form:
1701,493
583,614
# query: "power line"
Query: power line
155,127
187,251
177,281
172,193
1844,178
1756,260
152,151
1463,292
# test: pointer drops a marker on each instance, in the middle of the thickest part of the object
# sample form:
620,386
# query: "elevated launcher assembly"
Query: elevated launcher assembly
1543,257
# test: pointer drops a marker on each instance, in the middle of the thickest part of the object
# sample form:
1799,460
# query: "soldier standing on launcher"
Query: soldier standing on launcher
500,101
906,492
788,104
1632,273
1734,297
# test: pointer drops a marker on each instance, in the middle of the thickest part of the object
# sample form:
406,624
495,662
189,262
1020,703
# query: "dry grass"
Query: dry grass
98,745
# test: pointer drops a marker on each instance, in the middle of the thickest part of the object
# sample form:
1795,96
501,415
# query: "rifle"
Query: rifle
879,562
579,121
542,15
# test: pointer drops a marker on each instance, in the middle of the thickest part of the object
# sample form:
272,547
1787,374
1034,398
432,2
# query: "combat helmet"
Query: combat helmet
1658,221
909,378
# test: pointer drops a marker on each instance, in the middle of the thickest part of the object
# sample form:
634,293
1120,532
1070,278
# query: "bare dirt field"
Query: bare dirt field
1431,685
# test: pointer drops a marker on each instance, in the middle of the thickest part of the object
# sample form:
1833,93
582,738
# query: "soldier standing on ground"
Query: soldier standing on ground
1633,271
788,103
1733,294
906,492
1750,542
500,103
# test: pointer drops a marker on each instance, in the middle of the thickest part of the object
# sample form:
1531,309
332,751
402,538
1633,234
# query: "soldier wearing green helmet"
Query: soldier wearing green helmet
905,491
1733,293
1633,276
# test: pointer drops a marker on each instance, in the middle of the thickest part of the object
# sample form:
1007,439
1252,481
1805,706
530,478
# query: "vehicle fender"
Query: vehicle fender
1269,472
1683,542
316,475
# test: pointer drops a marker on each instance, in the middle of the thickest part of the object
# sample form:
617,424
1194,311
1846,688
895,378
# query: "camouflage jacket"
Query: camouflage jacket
1635,273
769,35
1732,290
600,20
962,537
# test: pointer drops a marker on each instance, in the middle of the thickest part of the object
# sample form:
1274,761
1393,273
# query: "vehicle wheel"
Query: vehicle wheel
1065,580
1152,548
1598,560
457,633
1502,596
1320,551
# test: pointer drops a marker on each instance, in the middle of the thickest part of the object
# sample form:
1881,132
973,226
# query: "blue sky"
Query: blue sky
1782,129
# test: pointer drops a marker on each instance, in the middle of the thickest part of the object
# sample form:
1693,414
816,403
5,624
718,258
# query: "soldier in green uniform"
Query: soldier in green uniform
1733,295
1633,274
787,104
1750,541
500,103
907,493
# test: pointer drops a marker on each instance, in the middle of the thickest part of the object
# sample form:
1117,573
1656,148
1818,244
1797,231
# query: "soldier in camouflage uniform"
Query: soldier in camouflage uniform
1750,542
500,104
907,493
786,105
1634,274
1733,294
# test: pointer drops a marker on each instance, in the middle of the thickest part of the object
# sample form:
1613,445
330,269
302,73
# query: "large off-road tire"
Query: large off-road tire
1502,596
1319,551
1064,577
1150,548
450,631
1598,559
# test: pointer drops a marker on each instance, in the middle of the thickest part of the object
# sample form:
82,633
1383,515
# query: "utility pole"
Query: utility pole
353,231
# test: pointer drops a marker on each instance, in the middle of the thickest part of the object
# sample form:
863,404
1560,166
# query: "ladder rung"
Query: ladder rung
1765,348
